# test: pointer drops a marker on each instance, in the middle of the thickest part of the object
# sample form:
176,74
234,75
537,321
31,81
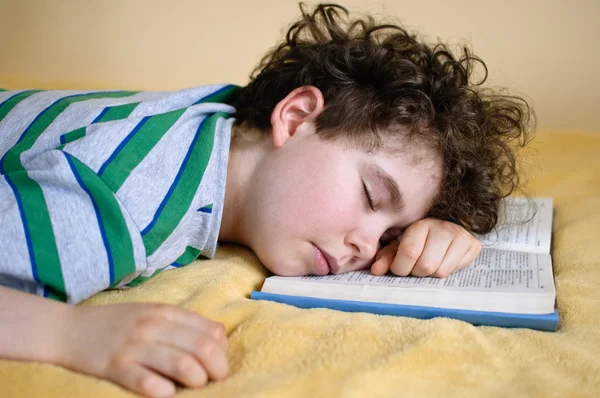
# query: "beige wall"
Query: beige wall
545,50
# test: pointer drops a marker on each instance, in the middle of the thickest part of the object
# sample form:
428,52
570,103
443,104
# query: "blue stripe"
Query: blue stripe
215,93
25,228
205,209
111,264
101,114
122,145
42,114
8,99
177,177
176,265
32,123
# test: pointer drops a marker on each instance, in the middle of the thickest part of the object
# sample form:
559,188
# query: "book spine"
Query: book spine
544,322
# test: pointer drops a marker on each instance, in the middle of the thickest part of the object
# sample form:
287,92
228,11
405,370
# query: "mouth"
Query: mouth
321,265
324,263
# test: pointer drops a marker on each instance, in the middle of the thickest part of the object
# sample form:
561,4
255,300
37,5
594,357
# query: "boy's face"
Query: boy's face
307,203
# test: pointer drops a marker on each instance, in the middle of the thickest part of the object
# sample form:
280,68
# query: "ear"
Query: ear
301,105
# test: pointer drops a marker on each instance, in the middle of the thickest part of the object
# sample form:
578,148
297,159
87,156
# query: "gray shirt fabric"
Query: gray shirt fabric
104,189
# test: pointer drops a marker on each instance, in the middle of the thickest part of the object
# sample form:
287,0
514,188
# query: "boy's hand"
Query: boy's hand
145,347
428,247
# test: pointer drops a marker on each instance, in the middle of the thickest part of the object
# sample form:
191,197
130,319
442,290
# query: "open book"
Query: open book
510,284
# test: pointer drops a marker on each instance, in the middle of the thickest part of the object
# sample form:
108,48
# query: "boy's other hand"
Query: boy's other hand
428,247
145,347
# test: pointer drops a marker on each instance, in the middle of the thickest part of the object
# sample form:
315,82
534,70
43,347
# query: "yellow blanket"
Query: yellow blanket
282,351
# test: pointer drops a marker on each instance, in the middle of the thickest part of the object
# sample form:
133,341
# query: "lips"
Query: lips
333,264
323,258
321,265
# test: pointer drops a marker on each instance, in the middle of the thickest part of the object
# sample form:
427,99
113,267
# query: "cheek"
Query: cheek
309,194
324,203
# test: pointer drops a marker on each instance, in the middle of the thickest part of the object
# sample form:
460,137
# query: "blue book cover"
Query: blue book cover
544,322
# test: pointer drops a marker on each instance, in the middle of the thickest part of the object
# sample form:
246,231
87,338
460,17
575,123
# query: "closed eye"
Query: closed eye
368,196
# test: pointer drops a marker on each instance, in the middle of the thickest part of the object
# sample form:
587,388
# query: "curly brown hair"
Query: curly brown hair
380,81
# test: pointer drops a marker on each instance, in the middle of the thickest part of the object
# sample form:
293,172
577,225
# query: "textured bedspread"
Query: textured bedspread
282,351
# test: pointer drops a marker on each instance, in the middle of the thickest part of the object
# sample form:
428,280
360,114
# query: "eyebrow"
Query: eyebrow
392,187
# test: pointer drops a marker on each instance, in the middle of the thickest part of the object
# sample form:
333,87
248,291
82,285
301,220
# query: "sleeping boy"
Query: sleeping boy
354,145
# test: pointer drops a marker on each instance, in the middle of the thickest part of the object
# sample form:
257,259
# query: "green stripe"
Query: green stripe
56,296
189,255
72,136
7,106
226,96
41,233
12,158
3,89
138,147
111,217
183,194
118,112
141,279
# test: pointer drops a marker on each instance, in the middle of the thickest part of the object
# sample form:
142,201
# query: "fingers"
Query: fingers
453,259
175,364
410,249
429,260
141,380
384,258
214,330
471,255
147,348
462,252
203,339
191,319
209,351
435,248
163,349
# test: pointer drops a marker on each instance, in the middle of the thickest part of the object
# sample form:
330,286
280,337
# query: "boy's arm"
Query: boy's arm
30,326
143,347
428,247
140,346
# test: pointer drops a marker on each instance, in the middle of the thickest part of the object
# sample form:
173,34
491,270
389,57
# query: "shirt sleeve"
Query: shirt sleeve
66,236
92,194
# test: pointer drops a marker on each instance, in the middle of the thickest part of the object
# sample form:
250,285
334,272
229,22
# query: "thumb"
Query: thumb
383,259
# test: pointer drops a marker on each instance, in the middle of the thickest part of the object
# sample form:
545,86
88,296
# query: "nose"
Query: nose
364,244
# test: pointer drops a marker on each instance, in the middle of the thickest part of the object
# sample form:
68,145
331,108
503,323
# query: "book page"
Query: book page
533,236
494,270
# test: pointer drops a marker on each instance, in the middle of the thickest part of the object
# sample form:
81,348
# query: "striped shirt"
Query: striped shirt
104,189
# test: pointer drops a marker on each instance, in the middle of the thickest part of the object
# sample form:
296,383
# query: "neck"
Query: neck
246,151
